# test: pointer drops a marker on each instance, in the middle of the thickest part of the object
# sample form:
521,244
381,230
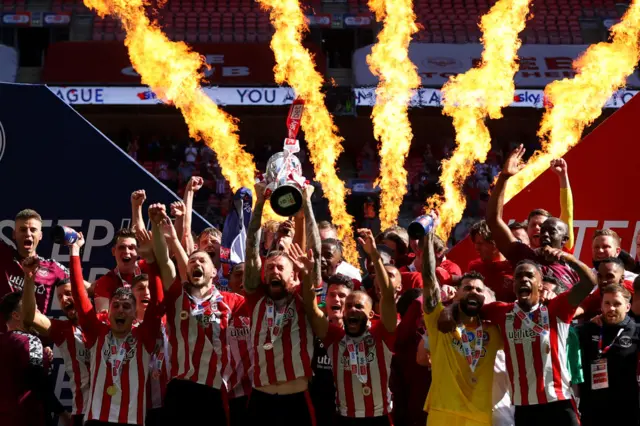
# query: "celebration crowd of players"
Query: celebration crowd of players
294,335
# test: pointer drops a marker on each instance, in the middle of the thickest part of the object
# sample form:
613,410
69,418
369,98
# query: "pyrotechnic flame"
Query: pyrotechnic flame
575,103
389,60
295,66
472,97
174,72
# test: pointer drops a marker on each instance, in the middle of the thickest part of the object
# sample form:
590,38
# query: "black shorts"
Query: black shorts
364,421
282,410
238,411
558,413
190,403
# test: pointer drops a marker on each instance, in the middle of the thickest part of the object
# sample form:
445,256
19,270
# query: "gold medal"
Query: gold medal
184,315
547,348
473,379
267,346
112,390
366,390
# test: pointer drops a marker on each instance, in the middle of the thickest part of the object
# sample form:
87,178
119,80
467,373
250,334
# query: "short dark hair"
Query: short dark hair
139,278
339,279
615,260
213,231
636,285
538,212
334,242
559,286
124,233
481,228
472,275
27,214
123,293
9,304
532,263
514,226
616,288
279,253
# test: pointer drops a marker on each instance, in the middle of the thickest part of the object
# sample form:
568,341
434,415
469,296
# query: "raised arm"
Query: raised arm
300,236
559,167
195,183
137,200
312,234
85,310
499,230
388,313
253,264
157,213
30,315
430,287
153,313
587,282
177,211
308,266
171,237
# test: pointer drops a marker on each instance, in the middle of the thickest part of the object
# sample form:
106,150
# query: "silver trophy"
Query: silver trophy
284,180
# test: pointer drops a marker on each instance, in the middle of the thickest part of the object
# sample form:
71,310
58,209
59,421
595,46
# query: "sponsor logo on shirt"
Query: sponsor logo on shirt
522,335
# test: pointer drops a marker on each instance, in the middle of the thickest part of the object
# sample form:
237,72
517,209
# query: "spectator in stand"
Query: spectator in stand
491,264
185,171
23,368
154,149
519,230
370,218
604,245
191,153
132,148
610,361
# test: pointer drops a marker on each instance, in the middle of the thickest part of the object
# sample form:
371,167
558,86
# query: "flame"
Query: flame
173,72
389,60
295,66
575,103
471,97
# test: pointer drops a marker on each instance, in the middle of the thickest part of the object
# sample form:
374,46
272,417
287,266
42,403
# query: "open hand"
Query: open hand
145,244
302,262
367,241
514,162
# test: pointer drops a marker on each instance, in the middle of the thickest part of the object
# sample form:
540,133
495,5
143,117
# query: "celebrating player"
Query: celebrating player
360,349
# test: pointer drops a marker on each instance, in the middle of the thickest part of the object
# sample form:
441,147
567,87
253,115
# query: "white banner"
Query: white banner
274,96
366,96
8,64
83,95
539,64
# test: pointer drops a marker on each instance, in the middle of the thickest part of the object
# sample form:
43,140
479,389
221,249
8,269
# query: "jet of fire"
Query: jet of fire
389,60
575,103
295,66
471,97
174,72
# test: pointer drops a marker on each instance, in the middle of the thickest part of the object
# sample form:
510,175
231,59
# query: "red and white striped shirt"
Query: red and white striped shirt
70,342
290,355
240,370
536,363
197,334
158,370
128,403
353,398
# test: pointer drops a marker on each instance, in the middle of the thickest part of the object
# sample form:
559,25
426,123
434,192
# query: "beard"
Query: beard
469,310
277,290
362,327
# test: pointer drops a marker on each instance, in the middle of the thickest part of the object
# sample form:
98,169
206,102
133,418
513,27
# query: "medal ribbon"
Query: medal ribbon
207,307
274,319
136,272
528,322
603,351
472,357
294,117
117,353
358,359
